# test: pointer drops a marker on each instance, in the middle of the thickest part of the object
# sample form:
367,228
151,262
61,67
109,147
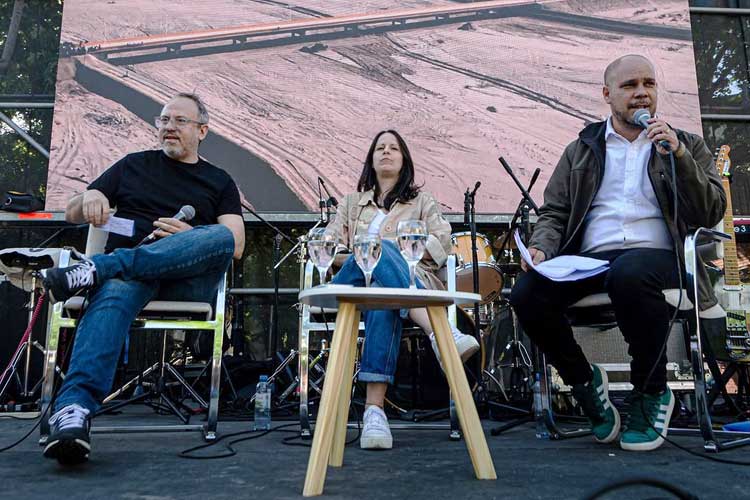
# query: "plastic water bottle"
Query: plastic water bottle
541,427
263,404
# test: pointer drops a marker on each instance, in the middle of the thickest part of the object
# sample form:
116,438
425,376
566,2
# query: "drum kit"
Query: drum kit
506,363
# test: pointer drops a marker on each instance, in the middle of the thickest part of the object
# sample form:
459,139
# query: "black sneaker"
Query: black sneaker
63,283
69,440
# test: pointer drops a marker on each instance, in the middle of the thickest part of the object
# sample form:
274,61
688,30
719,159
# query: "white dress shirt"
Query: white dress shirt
625,212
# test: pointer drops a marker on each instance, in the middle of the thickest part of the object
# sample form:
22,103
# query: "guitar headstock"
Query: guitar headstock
723,163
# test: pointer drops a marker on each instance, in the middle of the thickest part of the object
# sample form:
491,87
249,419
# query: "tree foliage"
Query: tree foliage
32,70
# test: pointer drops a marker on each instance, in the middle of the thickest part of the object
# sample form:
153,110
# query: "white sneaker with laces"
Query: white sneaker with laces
467,345
376,435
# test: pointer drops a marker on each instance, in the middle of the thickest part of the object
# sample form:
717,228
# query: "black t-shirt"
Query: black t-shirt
147,185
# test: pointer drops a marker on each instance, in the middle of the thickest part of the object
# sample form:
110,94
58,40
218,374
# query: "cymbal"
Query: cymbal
497,244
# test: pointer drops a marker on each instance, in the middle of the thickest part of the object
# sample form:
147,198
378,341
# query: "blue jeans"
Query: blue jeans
186,266
382,327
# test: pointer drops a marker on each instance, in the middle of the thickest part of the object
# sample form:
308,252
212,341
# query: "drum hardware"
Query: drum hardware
470,219
300,249
490,276
22,266
315,364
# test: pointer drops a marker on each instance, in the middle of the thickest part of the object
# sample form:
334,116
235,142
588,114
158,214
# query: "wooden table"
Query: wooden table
330,428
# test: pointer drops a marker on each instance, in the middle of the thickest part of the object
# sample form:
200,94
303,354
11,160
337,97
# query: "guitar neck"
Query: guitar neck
731,265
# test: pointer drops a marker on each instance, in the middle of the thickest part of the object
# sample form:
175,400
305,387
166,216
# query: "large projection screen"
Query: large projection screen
298,90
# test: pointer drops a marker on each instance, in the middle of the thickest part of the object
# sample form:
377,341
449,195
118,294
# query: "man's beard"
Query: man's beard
627,119
174,151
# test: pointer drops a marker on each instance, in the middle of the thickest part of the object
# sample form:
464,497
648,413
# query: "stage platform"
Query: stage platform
422,464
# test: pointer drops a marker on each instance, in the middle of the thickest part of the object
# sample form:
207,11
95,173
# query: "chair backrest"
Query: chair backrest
712,250
95,240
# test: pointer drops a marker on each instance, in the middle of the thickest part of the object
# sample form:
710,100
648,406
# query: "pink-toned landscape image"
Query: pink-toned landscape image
298,90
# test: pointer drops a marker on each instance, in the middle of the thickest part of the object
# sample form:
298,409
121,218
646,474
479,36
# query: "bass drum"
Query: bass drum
419,382
490,277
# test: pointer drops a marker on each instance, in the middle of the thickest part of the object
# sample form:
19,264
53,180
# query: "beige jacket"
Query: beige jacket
357,211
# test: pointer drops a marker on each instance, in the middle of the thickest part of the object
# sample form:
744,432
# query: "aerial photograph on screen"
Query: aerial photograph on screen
297,89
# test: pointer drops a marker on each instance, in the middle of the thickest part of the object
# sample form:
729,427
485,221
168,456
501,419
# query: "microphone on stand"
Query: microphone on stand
331,201
322,203
641,118
185,214
467,206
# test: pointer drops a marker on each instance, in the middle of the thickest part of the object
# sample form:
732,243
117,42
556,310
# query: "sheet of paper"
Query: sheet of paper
119,225
564,267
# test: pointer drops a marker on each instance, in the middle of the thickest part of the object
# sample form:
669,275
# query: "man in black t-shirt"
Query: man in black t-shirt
185,262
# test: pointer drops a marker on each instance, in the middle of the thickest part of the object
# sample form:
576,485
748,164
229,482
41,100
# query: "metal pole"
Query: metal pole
27,105
24,135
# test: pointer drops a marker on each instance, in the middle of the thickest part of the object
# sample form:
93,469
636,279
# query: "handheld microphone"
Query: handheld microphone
641,118
186,213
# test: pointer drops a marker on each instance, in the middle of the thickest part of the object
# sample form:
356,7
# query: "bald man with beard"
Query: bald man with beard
610,197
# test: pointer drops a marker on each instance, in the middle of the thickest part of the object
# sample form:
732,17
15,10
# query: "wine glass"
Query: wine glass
367,250
412,238
322,249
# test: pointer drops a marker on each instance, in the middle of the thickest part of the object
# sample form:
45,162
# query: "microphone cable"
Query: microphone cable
675,202
55,389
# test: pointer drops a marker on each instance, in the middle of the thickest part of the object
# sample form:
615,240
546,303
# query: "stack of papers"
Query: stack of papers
564,267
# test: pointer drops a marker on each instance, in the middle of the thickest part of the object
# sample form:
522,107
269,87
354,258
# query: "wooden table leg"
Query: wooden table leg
325,423
467,411
342,415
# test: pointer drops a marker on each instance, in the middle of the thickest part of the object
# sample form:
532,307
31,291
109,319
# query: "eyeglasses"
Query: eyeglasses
180,121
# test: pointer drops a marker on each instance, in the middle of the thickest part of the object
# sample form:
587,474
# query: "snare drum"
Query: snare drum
490,277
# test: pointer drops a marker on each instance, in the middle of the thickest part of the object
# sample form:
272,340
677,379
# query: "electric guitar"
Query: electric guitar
731,293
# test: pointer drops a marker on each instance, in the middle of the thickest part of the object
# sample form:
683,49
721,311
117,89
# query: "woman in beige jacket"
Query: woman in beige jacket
386,194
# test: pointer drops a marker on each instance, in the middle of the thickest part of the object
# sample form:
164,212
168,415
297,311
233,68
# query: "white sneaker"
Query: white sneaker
376,435
467,345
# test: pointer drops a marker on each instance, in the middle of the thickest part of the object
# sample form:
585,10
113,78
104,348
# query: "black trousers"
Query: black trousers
634,282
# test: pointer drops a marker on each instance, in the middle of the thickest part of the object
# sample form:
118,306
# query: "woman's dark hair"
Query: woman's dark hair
405,189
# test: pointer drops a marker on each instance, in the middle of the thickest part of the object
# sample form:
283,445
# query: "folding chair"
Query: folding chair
156,315
595,311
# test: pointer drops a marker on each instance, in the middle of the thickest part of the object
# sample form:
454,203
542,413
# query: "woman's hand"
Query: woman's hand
339,260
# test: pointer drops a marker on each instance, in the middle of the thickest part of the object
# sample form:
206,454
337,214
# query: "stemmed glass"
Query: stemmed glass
412,238
367,250
322,249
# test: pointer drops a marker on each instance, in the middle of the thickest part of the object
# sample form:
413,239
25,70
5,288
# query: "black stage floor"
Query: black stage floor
423,464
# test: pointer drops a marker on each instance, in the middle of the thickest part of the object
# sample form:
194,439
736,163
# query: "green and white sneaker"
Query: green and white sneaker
647,432
594,400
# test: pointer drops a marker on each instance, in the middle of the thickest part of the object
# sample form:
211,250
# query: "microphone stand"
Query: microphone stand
273,331
470,217
523,211
517,214
330,202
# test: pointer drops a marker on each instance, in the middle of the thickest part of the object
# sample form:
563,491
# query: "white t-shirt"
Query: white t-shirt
376,223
